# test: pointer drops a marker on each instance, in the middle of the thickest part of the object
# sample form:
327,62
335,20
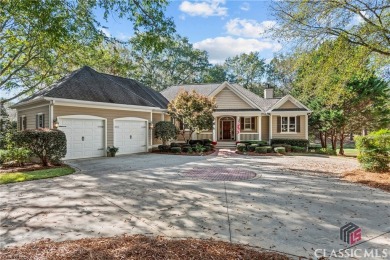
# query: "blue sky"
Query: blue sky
222,28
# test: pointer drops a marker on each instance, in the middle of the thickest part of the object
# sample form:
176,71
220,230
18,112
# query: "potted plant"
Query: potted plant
112,150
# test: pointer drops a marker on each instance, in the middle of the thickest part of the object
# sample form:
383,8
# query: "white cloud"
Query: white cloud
123,37
220,48
204,8
245,6
248,28
105,31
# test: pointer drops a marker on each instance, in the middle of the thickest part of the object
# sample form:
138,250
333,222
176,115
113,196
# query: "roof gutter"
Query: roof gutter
83,103
28,102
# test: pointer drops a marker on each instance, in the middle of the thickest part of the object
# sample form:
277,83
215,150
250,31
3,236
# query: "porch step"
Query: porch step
228,145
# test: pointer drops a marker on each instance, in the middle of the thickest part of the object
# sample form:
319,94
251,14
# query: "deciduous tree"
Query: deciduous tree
193,110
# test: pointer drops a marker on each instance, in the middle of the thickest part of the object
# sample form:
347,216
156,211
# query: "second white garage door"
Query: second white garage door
130,136
84,137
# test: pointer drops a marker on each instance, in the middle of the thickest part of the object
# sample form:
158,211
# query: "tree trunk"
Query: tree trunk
333,139
323,141
326,140
364,131
342,137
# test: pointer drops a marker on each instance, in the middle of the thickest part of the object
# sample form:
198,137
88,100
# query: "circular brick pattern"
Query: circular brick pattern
219,174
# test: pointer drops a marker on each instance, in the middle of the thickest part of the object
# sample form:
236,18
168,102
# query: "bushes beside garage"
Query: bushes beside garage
193,147
49,145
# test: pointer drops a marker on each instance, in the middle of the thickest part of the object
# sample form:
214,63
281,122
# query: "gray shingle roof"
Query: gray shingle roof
89,85
206,89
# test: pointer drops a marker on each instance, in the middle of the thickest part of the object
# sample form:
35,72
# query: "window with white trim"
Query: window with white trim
40,120
22,122
248,123
288,124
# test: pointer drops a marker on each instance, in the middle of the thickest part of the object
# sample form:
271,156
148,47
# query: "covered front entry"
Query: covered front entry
227,130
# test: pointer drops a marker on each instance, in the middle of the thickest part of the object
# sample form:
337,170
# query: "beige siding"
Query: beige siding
109,114
31,111
300,135
227,99
265,128
288,104
249,137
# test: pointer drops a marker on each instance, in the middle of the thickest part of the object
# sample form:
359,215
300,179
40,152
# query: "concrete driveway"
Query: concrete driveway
294,212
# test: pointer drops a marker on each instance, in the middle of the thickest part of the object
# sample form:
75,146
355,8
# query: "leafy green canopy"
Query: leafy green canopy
194,110
165,131
42,40
360,22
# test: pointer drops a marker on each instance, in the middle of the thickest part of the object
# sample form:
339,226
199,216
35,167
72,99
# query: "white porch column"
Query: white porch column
259,126
238,135
215,129
150,130
270,128
307,126
162,117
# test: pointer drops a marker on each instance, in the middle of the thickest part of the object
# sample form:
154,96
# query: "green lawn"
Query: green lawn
34,175
350,152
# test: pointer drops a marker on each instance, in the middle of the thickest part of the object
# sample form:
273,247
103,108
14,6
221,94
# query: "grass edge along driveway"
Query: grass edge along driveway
35,175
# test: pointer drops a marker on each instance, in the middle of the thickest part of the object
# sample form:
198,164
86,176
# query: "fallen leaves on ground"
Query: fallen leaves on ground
136,247
372,179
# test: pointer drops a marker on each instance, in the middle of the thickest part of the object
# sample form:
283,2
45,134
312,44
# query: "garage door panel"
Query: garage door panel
85,137
123,129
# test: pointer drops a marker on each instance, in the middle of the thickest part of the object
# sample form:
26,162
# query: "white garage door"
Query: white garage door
130,136
85,137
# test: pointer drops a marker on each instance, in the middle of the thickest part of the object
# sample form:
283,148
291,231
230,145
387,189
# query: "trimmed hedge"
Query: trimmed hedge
259,143
269,149
252,147
261,149
187,149
280,150
286,146
327,151
292,142
297,149
175,145
374,151
165,130
175,149
241,148
16,156
48,144
164,148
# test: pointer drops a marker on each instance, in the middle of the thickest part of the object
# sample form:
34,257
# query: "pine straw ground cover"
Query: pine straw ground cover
372,179
136,247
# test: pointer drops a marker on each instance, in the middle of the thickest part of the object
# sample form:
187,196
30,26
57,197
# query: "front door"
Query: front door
226,129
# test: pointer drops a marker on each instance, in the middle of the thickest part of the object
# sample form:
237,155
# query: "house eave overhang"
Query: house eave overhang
283,100
103,105
28,102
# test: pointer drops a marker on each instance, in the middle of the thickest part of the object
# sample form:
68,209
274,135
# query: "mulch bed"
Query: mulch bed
372,179
26,168
136,247
188,154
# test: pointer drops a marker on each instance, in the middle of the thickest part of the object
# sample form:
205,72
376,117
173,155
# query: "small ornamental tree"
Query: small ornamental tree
165,131
48,144
193,110
374,151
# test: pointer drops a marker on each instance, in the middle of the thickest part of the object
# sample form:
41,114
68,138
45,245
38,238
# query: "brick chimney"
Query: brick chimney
269,92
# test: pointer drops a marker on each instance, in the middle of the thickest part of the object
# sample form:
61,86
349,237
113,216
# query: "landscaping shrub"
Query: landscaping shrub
164,148
292,142
207,148
199,148
175,145
175,149
280,150
186,149
269,149
374,151
241,148
206,142
48,144
297,149
257,142
261,149
195,142
286,146
252,147
165,131
16,156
